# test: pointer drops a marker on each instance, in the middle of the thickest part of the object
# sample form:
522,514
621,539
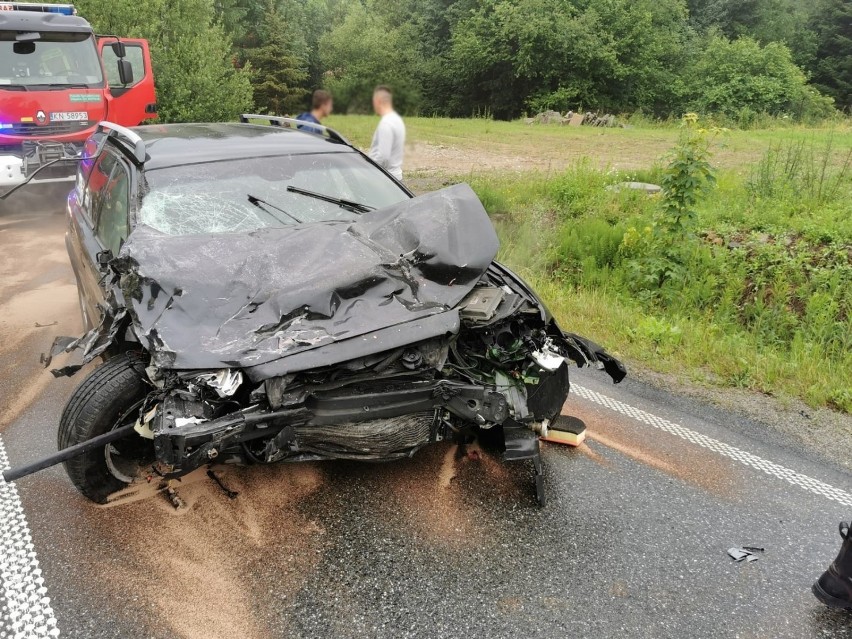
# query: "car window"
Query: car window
214,197
111,226
98,179
84,169
134,55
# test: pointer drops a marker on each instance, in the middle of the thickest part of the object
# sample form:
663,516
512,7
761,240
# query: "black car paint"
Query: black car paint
103,286
169,145
247,300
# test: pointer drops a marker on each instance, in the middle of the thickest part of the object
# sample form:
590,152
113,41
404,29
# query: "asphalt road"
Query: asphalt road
632,543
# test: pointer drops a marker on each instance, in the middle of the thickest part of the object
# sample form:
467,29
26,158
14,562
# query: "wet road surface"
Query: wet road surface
632,543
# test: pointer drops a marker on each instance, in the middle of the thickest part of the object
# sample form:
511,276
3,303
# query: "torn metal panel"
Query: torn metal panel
378,341
92,344
585,352
251,299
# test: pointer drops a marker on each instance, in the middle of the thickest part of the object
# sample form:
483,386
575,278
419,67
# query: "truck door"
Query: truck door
132,103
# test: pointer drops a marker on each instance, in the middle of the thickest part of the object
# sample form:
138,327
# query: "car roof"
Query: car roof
181,144
34,21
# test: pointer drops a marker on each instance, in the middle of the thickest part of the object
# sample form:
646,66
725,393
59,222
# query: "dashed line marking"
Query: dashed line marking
25,610
726,450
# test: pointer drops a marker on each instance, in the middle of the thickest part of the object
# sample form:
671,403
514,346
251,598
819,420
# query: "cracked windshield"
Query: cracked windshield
234,196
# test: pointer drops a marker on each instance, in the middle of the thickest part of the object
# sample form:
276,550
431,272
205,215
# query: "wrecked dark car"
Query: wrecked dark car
263,294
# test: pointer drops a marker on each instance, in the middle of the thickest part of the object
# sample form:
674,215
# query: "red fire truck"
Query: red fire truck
57,81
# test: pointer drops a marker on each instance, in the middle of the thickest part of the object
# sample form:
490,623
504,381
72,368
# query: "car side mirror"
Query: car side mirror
118,49
104,258
125,71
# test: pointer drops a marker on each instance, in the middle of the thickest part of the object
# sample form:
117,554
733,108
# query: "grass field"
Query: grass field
757,294
555,147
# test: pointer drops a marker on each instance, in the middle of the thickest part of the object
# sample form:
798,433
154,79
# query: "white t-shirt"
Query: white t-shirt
388,142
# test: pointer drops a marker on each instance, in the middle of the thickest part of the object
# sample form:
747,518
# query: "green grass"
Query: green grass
764,299
761,296
551,146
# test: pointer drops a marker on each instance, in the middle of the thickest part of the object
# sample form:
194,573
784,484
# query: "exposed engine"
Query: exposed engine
506,367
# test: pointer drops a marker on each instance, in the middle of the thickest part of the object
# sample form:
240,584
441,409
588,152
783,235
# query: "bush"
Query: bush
588,253
741,79
365,51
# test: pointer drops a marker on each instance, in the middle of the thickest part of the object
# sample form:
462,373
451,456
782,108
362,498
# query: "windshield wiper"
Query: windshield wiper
60,86
260,204
15,87
349,205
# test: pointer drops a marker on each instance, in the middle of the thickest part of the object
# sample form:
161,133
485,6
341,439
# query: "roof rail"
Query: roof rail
42,7
131,140
290,123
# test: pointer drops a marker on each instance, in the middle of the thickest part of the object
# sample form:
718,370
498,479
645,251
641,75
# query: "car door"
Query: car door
111,223
90,234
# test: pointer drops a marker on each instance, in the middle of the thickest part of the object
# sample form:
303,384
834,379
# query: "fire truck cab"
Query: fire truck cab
57,81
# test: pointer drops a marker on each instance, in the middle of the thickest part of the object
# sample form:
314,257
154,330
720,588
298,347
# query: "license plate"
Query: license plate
69,116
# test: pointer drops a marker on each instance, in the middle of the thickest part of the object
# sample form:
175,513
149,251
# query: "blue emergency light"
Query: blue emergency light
42,7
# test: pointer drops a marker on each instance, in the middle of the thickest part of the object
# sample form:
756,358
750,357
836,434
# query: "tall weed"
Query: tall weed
800,169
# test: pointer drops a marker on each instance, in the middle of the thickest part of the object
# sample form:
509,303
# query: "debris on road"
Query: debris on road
174,498
565,430
737,554
232,494
745,552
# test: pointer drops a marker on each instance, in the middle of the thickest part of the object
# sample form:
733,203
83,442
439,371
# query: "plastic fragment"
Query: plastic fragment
745,553
737,554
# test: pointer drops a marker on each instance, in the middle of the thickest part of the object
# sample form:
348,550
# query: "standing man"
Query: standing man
389,138
321,106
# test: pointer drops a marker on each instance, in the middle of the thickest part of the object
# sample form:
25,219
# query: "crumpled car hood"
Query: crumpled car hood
248,299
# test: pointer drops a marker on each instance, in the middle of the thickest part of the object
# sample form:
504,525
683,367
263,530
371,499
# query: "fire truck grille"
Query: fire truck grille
53,128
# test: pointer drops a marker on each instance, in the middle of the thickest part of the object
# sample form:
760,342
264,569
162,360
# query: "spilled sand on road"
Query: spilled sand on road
425,492
211,569
435,492
38,300
662,451
225,567
586,450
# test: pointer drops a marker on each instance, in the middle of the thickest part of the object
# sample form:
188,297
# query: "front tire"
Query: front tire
108,398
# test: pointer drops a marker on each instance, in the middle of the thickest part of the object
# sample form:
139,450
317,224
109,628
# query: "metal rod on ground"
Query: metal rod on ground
65,454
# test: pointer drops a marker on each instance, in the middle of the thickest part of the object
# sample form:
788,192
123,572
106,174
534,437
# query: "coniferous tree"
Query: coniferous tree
832,67
278,75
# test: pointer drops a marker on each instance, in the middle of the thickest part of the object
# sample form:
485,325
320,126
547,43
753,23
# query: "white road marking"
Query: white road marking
25,610
726,450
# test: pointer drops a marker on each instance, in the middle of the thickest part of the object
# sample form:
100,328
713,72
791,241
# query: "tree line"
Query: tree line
498,58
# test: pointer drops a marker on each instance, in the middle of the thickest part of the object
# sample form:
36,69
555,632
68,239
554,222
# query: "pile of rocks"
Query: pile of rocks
574,119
